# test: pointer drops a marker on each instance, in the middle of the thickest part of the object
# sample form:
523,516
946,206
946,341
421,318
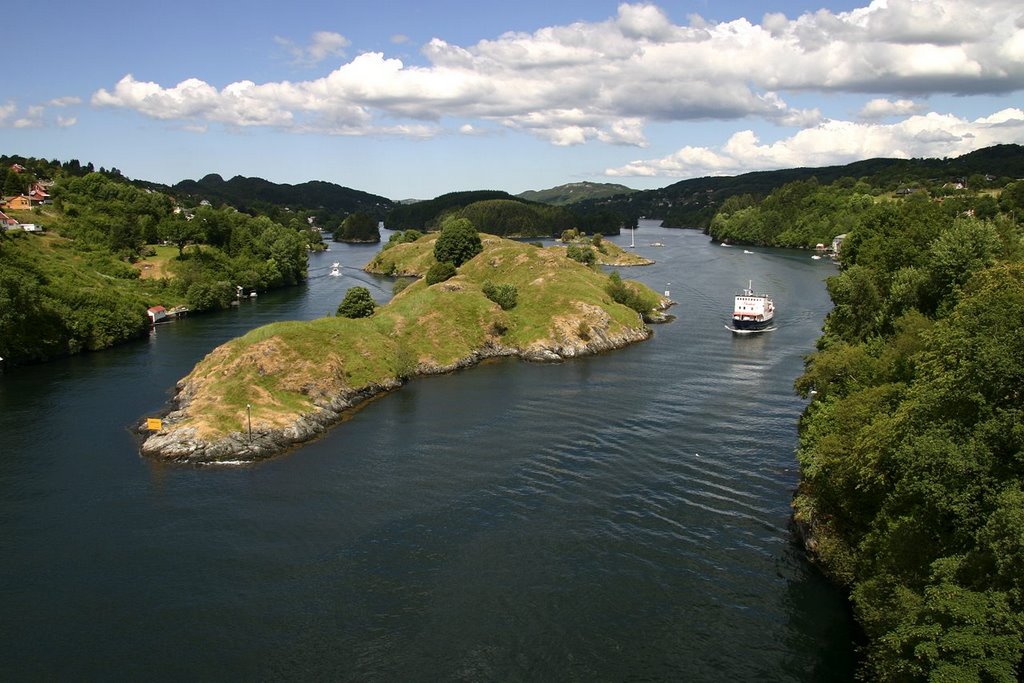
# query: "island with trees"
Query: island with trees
476,296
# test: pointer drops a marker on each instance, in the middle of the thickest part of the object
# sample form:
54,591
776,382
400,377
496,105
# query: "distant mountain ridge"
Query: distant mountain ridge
247,193
687,203
571,193
693,202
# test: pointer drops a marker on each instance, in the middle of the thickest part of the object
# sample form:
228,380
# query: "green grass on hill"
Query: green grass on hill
284,369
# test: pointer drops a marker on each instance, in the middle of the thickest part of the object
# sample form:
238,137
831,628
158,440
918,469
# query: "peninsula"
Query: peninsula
291,380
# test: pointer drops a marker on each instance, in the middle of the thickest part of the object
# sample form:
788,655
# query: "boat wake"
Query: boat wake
735,331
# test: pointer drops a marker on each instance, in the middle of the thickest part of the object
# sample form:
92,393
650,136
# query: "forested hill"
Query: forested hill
504,214
103,250
573,193
912,443
256,195
693,203
424,215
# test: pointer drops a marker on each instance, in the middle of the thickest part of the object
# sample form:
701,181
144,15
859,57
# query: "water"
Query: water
622,517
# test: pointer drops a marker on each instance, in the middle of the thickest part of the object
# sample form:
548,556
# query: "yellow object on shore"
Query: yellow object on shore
154,424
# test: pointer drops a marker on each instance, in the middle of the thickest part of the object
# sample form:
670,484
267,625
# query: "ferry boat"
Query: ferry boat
752,312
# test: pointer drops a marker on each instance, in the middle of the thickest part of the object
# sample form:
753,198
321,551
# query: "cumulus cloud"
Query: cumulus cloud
323,44
881,108
838,142
606,81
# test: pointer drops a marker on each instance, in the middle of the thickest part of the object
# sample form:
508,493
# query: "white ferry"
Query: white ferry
752,312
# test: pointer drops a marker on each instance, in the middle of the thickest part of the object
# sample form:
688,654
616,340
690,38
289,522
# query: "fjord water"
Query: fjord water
621,517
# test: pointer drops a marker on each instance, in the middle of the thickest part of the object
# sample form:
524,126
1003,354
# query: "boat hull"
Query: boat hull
751,325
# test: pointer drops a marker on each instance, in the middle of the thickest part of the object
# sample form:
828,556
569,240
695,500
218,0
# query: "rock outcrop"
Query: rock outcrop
184,445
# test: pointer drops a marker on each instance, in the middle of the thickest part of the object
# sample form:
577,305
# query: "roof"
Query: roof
156,309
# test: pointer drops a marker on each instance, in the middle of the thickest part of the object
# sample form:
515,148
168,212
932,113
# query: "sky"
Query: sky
415,99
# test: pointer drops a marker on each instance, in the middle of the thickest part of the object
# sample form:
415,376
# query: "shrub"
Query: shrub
400,285
439,272
621,293
506,296
402,238
357,304
459,241
584,255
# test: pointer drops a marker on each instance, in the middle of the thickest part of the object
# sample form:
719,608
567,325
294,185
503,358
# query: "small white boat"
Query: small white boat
336,269
747,251
816,257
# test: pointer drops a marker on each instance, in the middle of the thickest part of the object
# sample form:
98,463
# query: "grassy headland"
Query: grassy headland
299,377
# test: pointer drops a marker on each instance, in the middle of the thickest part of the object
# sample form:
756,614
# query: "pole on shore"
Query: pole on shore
248,412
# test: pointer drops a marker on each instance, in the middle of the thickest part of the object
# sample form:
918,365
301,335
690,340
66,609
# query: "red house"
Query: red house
156,314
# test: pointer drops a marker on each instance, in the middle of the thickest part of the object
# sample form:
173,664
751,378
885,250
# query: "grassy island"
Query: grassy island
300,377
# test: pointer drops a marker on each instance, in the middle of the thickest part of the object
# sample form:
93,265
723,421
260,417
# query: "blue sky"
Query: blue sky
413,99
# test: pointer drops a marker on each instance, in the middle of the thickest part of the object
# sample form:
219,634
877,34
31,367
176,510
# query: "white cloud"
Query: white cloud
323,44
7,111
605,81
880,108
64,101
32,118
838,142
35,116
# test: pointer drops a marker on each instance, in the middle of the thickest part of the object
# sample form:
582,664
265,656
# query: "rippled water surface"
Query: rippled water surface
622,517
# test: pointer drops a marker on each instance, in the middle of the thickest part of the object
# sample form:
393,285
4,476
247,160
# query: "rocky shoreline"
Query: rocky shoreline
182,445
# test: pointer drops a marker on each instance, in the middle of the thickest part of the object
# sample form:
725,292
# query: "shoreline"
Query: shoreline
182,446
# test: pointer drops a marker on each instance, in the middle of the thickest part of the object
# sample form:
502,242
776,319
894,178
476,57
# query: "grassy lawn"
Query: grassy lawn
155,267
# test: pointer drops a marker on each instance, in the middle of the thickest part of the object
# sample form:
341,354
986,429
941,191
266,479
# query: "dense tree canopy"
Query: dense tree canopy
358,227
912,449
76,289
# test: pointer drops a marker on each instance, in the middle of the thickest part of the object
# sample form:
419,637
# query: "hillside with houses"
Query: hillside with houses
89,260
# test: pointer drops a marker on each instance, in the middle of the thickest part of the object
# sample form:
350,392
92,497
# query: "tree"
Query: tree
13,184
357,304
459,241
178,231
206,295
